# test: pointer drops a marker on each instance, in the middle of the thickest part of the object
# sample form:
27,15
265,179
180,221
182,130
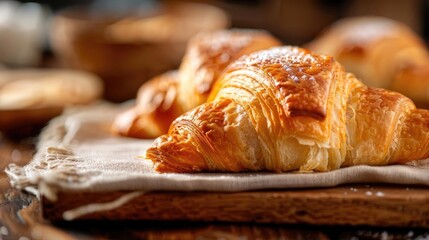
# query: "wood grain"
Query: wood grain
347,205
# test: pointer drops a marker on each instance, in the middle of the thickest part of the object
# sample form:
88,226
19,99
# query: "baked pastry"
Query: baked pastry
35,89
287,109
156,107
29,98
413,82
164,98
379,50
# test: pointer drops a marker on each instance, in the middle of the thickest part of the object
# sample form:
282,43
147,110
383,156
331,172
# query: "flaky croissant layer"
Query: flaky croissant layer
289,109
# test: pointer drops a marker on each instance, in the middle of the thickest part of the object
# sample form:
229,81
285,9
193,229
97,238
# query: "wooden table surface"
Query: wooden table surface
20,218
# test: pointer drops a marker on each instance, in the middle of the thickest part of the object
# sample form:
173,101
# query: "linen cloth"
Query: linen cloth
78,152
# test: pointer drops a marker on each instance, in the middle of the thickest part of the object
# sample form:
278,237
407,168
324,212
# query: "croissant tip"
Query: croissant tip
162,167
169,155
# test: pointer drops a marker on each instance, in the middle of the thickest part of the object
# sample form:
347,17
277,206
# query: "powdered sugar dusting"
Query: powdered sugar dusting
301,77
365,29
218,47
297,63
379,194
209,53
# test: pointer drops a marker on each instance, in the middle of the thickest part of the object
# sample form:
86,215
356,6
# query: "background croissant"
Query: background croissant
290,109
166,97
381,52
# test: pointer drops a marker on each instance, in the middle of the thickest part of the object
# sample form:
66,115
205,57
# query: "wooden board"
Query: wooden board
344,205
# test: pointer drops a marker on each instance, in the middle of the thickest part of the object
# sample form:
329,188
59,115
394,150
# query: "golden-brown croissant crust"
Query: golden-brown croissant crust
413,82
208,54
289,109
378,50
156,108
163,99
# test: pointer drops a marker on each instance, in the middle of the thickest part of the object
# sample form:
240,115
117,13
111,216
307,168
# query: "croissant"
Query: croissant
156,107
380,51
166,97
286,109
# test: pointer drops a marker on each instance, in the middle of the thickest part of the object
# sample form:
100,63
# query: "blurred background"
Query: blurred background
292,21
127,42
